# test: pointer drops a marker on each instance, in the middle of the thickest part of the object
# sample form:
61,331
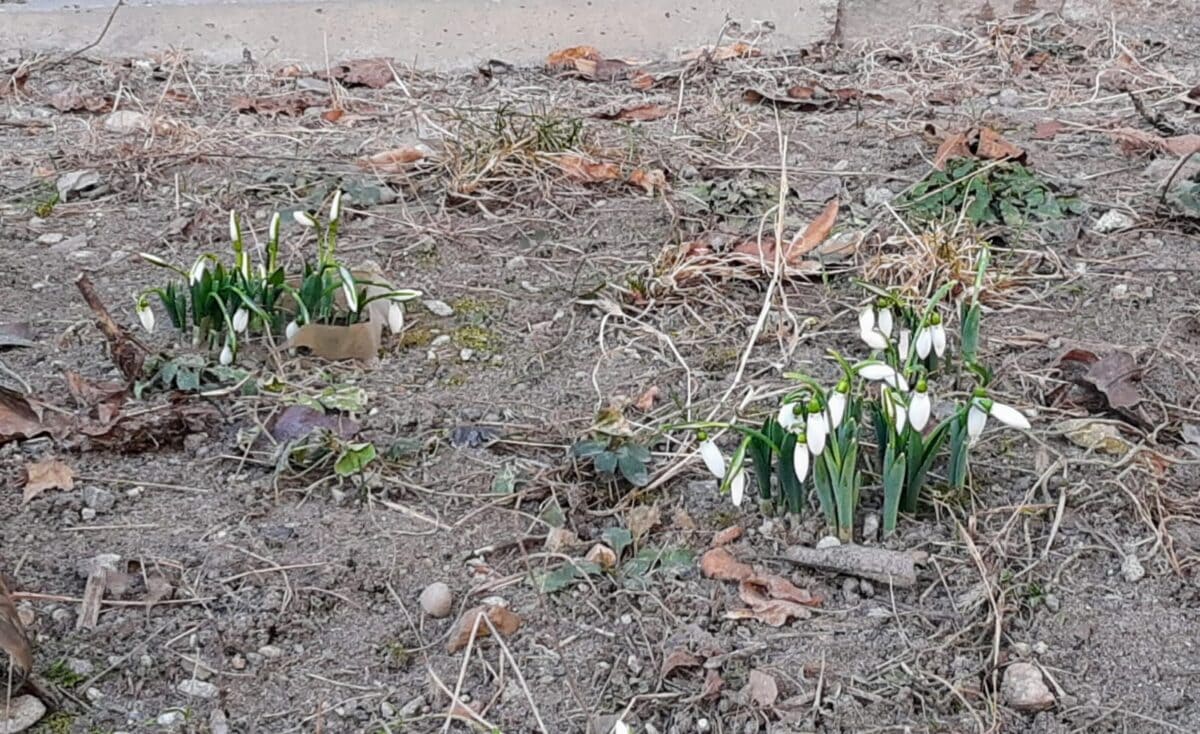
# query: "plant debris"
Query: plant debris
47,474
1100,380
479,622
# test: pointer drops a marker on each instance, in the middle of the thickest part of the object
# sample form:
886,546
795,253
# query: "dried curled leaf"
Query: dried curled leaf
720,564
470,624
396,160
374,73
584,170
13,638
47,474
640,113
566,58
292,104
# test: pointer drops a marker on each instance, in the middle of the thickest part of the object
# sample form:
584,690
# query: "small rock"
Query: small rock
412,708
1113,221
866,588
466,354
270,652
1040,648
1009,98
87,514
51,238
387,711
80,667
828,541
870,529
197,688
1119,292
850,589
515,263
1025,689
436,600
1131,569
99,499
238,662
254,658
170,718
878,196
1052,603
93,694
217,722
76,181
440,340
193,442
702,726
1021,649
438,308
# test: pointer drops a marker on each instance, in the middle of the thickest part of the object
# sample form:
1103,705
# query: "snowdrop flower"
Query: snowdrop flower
816,428
234,235
905,336
145,315
273,227
982,407
395,318
241,319
713,458
226,355
737,488
787,416
880,372
873,337
919,406
620,728
348,289
894,410
937,334
837,404
885,321
291,329
304,219
800,459
335,209
197,271
924,341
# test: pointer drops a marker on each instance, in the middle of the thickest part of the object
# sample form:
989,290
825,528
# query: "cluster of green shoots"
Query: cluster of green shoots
222,304
815,443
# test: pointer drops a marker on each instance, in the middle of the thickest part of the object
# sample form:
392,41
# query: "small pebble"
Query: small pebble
870,529
270,652
1040,648
1113,221
1052,603
436,600
170,718
866,588
702,726
51,238
93,694
828,541
440,340
87,514
438,308
197,688
1021,649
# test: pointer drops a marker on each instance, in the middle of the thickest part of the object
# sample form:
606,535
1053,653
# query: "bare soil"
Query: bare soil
295,595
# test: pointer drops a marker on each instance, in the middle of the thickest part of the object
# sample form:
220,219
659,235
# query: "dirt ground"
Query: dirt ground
295,594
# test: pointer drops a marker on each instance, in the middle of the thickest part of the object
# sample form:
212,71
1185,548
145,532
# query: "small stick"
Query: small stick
127,353
876,564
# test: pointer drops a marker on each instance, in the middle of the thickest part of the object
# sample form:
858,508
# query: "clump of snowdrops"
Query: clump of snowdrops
222,304
814,441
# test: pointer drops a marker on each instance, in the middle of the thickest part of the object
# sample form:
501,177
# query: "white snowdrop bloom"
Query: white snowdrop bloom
919,407
800,460
894,410
145,315
335,209
816,429
241,319
290,330
395,318
273,228
1009,416
924,341
787,416
233,226
905,337
713,458
304,219
872,336
885,322
939,339
197,271
226,355
976,419
737,488
620,728
880,372
348,289
837,408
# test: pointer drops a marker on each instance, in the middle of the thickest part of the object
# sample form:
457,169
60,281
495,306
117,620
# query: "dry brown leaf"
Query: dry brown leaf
396,160
587,171
640,113
333,115
18,418
374,73
642,519
651,181
47,474
645,403
727,536
1133,140
713,683
293,104
762,688
720,564
773,612
814,234
1111,375
739,50
641,80
994,147
566,58
778,587
676,659
954,146
505,622
359,341
71,100
1048,129
804,99
604,70
602,556
13,639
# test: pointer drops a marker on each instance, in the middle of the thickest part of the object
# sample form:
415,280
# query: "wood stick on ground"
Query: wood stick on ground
876,564
127,353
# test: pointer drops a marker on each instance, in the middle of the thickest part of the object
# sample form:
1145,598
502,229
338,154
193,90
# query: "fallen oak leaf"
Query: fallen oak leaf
607,70
1109,376
71,100
713,683
47,474
777,587
804,99
954,146
641,80
762,608
738,50
1090,434
721,565
727,536
1048,129
292,104
1132,140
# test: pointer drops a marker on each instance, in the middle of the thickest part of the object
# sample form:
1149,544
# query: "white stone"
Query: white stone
437,600
1025,689
828,541
197,688
438,308
1113,221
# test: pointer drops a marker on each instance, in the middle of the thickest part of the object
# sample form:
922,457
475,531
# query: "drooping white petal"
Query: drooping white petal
837,409
976,419
919,409
885,322
290,330
905,336
924,341
787,416
939,339
713,458
348,289
233,226
154,260
874,339
1009,416
816,429
273,228
395,318
901,416
335,209
241,319
880,372
866,319
197,271
800,462
894,411
304,219
620,728
737,488
146,316
226,356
